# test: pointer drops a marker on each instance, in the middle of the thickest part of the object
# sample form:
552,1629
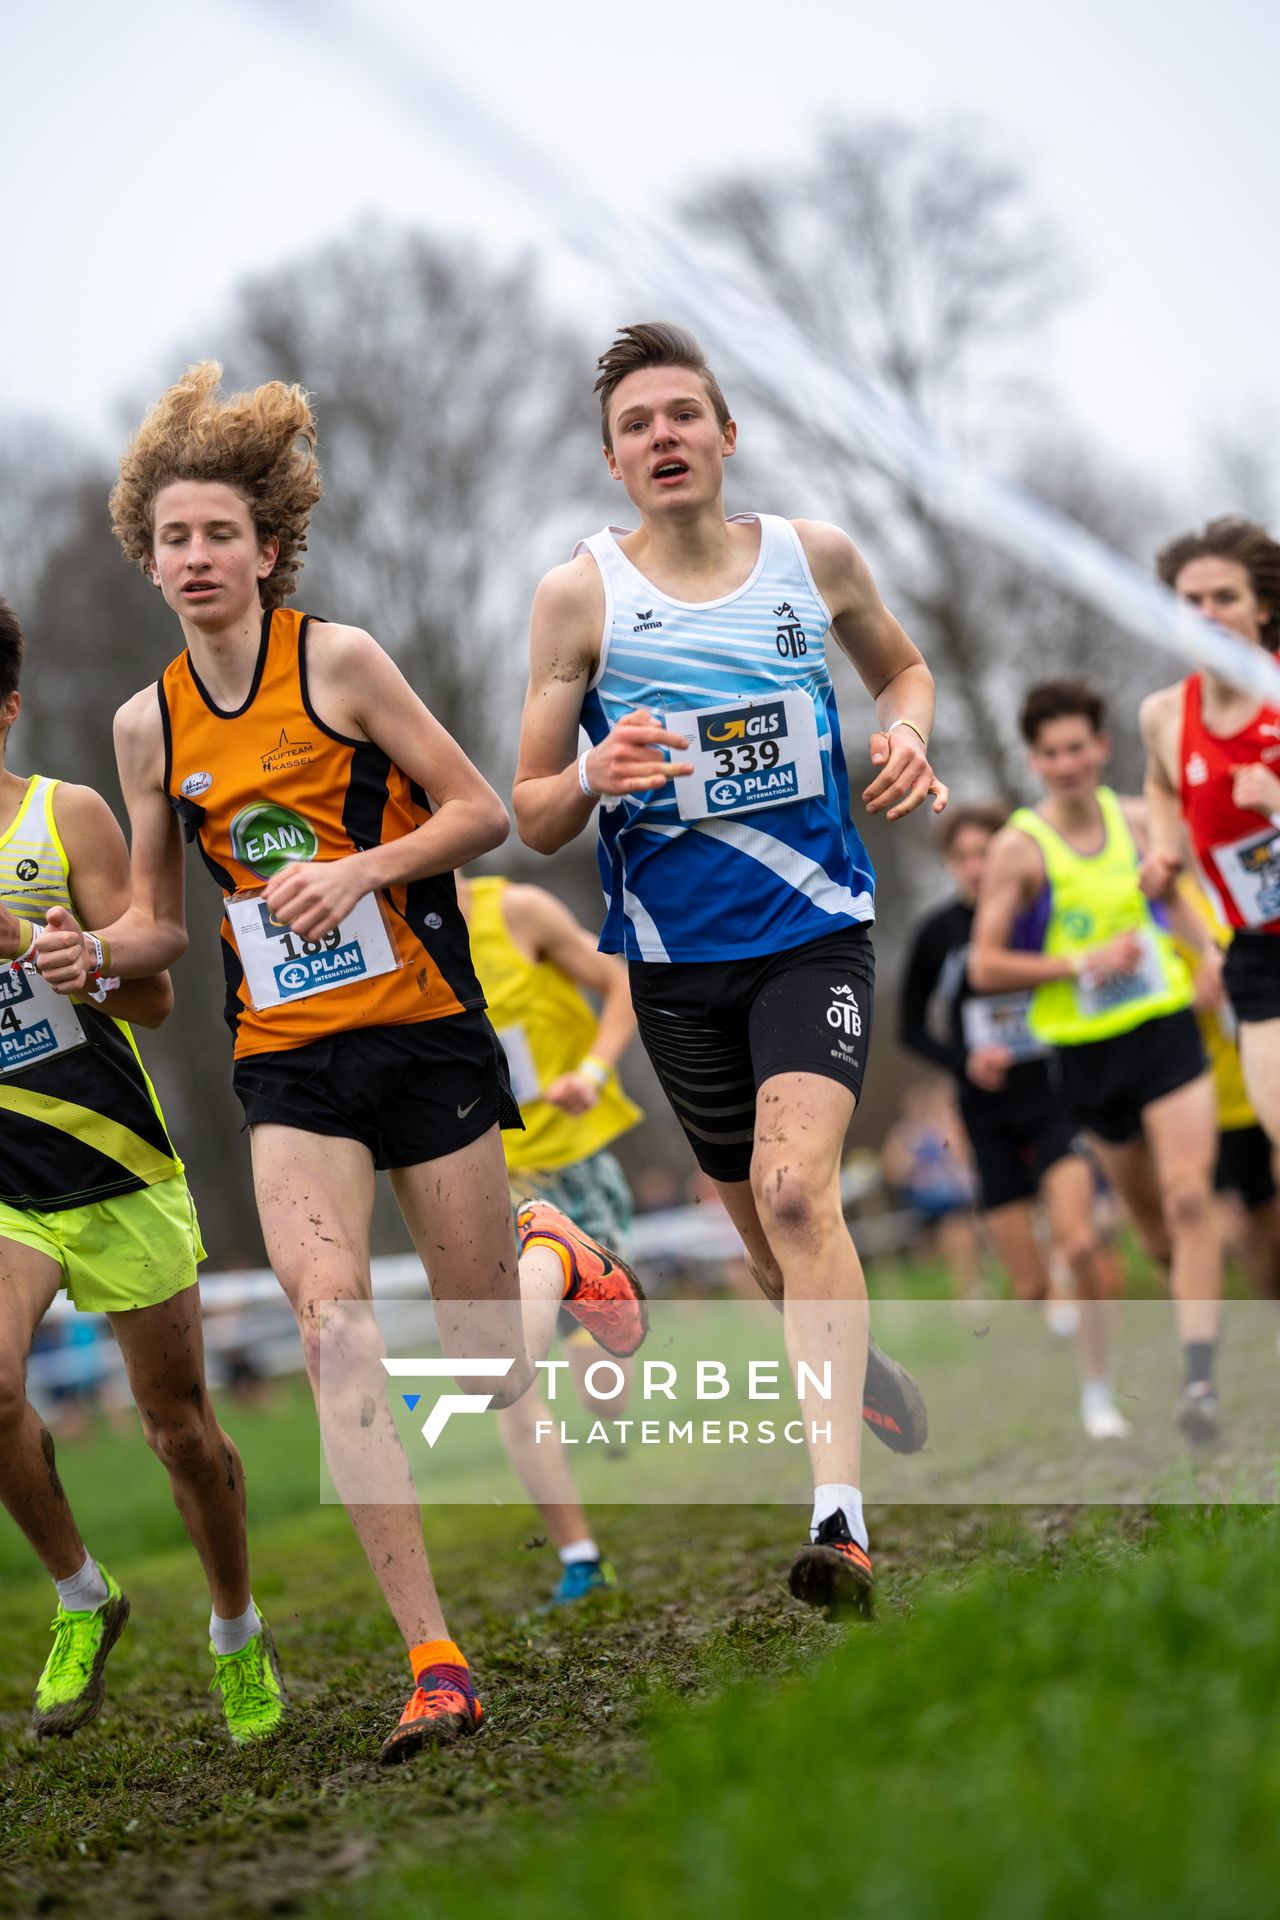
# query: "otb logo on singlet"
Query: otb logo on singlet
266,837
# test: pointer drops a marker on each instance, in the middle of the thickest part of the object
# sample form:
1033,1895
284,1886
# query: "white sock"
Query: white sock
230,1636
826,1499
85,1590
577,1552
1095,1397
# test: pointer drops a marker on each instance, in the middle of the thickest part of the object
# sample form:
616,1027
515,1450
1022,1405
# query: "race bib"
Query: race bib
1000,1020
280,966
1250,868
523,1074
749,754
35,1022
1101,994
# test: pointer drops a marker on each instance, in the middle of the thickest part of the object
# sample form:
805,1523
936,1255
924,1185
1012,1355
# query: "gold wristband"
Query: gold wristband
27,931
914,728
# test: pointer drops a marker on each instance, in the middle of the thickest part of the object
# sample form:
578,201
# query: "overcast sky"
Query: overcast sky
156,152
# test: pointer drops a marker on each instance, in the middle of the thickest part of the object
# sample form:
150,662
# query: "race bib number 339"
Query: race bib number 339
280,966
749,754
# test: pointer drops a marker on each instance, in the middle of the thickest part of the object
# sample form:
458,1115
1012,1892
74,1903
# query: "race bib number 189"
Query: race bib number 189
279,966
748,754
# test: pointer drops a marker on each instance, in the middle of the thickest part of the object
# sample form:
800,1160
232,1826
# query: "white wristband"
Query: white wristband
608,801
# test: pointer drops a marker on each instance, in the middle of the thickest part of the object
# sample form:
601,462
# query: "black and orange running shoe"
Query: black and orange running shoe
602,1293
441,1708
893,1405
833,1571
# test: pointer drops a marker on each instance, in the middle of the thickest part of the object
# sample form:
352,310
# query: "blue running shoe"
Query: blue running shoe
578,1579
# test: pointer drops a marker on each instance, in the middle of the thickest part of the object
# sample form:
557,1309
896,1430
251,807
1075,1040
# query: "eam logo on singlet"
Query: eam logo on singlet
265,837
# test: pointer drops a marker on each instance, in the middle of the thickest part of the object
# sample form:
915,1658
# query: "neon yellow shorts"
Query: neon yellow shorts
134,1251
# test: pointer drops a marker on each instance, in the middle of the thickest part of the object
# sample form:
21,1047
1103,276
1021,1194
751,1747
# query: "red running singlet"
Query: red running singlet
1237,850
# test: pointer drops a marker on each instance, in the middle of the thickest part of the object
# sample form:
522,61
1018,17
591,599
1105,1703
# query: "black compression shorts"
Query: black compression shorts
715,1030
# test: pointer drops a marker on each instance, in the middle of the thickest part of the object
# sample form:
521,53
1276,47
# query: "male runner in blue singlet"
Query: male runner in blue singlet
737,885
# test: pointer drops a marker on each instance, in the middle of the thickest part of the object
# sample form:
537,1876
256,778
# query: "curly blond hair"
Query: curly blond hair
261,443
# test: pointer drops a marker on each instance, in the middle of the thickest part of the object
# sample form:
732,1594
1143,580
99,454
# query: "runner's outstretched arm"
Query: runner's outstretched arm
564,645
150,934
549,931
1163,860
891,668
98,876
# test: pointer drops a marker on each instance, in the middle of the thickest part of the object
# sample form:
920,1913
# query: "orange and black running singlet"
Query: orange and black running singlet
270,783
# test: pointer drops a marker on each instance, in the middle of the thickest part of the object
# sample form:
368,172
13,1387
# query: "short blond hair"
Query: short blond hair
261,443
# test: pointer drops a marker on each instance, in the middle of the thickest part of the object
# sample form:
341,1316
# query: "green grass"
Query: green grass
1091,1734
1057,1713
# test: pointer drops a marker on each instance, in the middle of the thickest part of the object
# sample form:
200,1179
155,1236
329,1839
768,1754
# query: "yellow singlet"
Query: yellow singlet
546,1027
1217,1026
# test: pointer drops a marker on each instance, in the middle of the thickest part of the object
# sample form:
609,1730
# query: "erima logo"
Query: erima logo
645,622
448,1403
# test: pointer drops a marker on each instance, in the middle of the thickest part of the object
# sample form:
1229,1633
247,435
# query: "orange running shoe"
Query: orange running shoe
893,1405
603,1294
441,1708
833,1571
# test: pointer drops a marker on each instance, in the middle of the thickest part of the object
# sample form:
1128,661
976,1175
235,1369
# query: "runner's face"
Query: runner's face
1068,756
668,448
1222,590
205,558
966,857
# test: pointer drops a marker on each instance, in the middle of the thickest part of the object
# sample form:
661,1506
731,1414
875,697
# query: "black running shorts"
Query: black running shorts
1017,1134
1251,975
409,1093
715,1030
1246,1165
1108,1084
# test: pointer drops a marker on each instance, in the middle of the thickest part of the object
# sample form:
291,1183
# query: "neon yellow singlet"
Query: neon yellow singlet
547,1028
1093,897
79,1118
1217,1025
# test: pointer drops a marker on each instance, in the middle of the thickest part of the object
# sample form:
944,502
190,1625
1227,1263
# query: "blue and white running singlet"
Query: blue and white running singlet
773,859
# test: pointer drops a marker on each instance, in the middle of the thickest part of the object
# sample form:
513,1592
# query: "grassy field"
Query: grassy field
1059,1712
